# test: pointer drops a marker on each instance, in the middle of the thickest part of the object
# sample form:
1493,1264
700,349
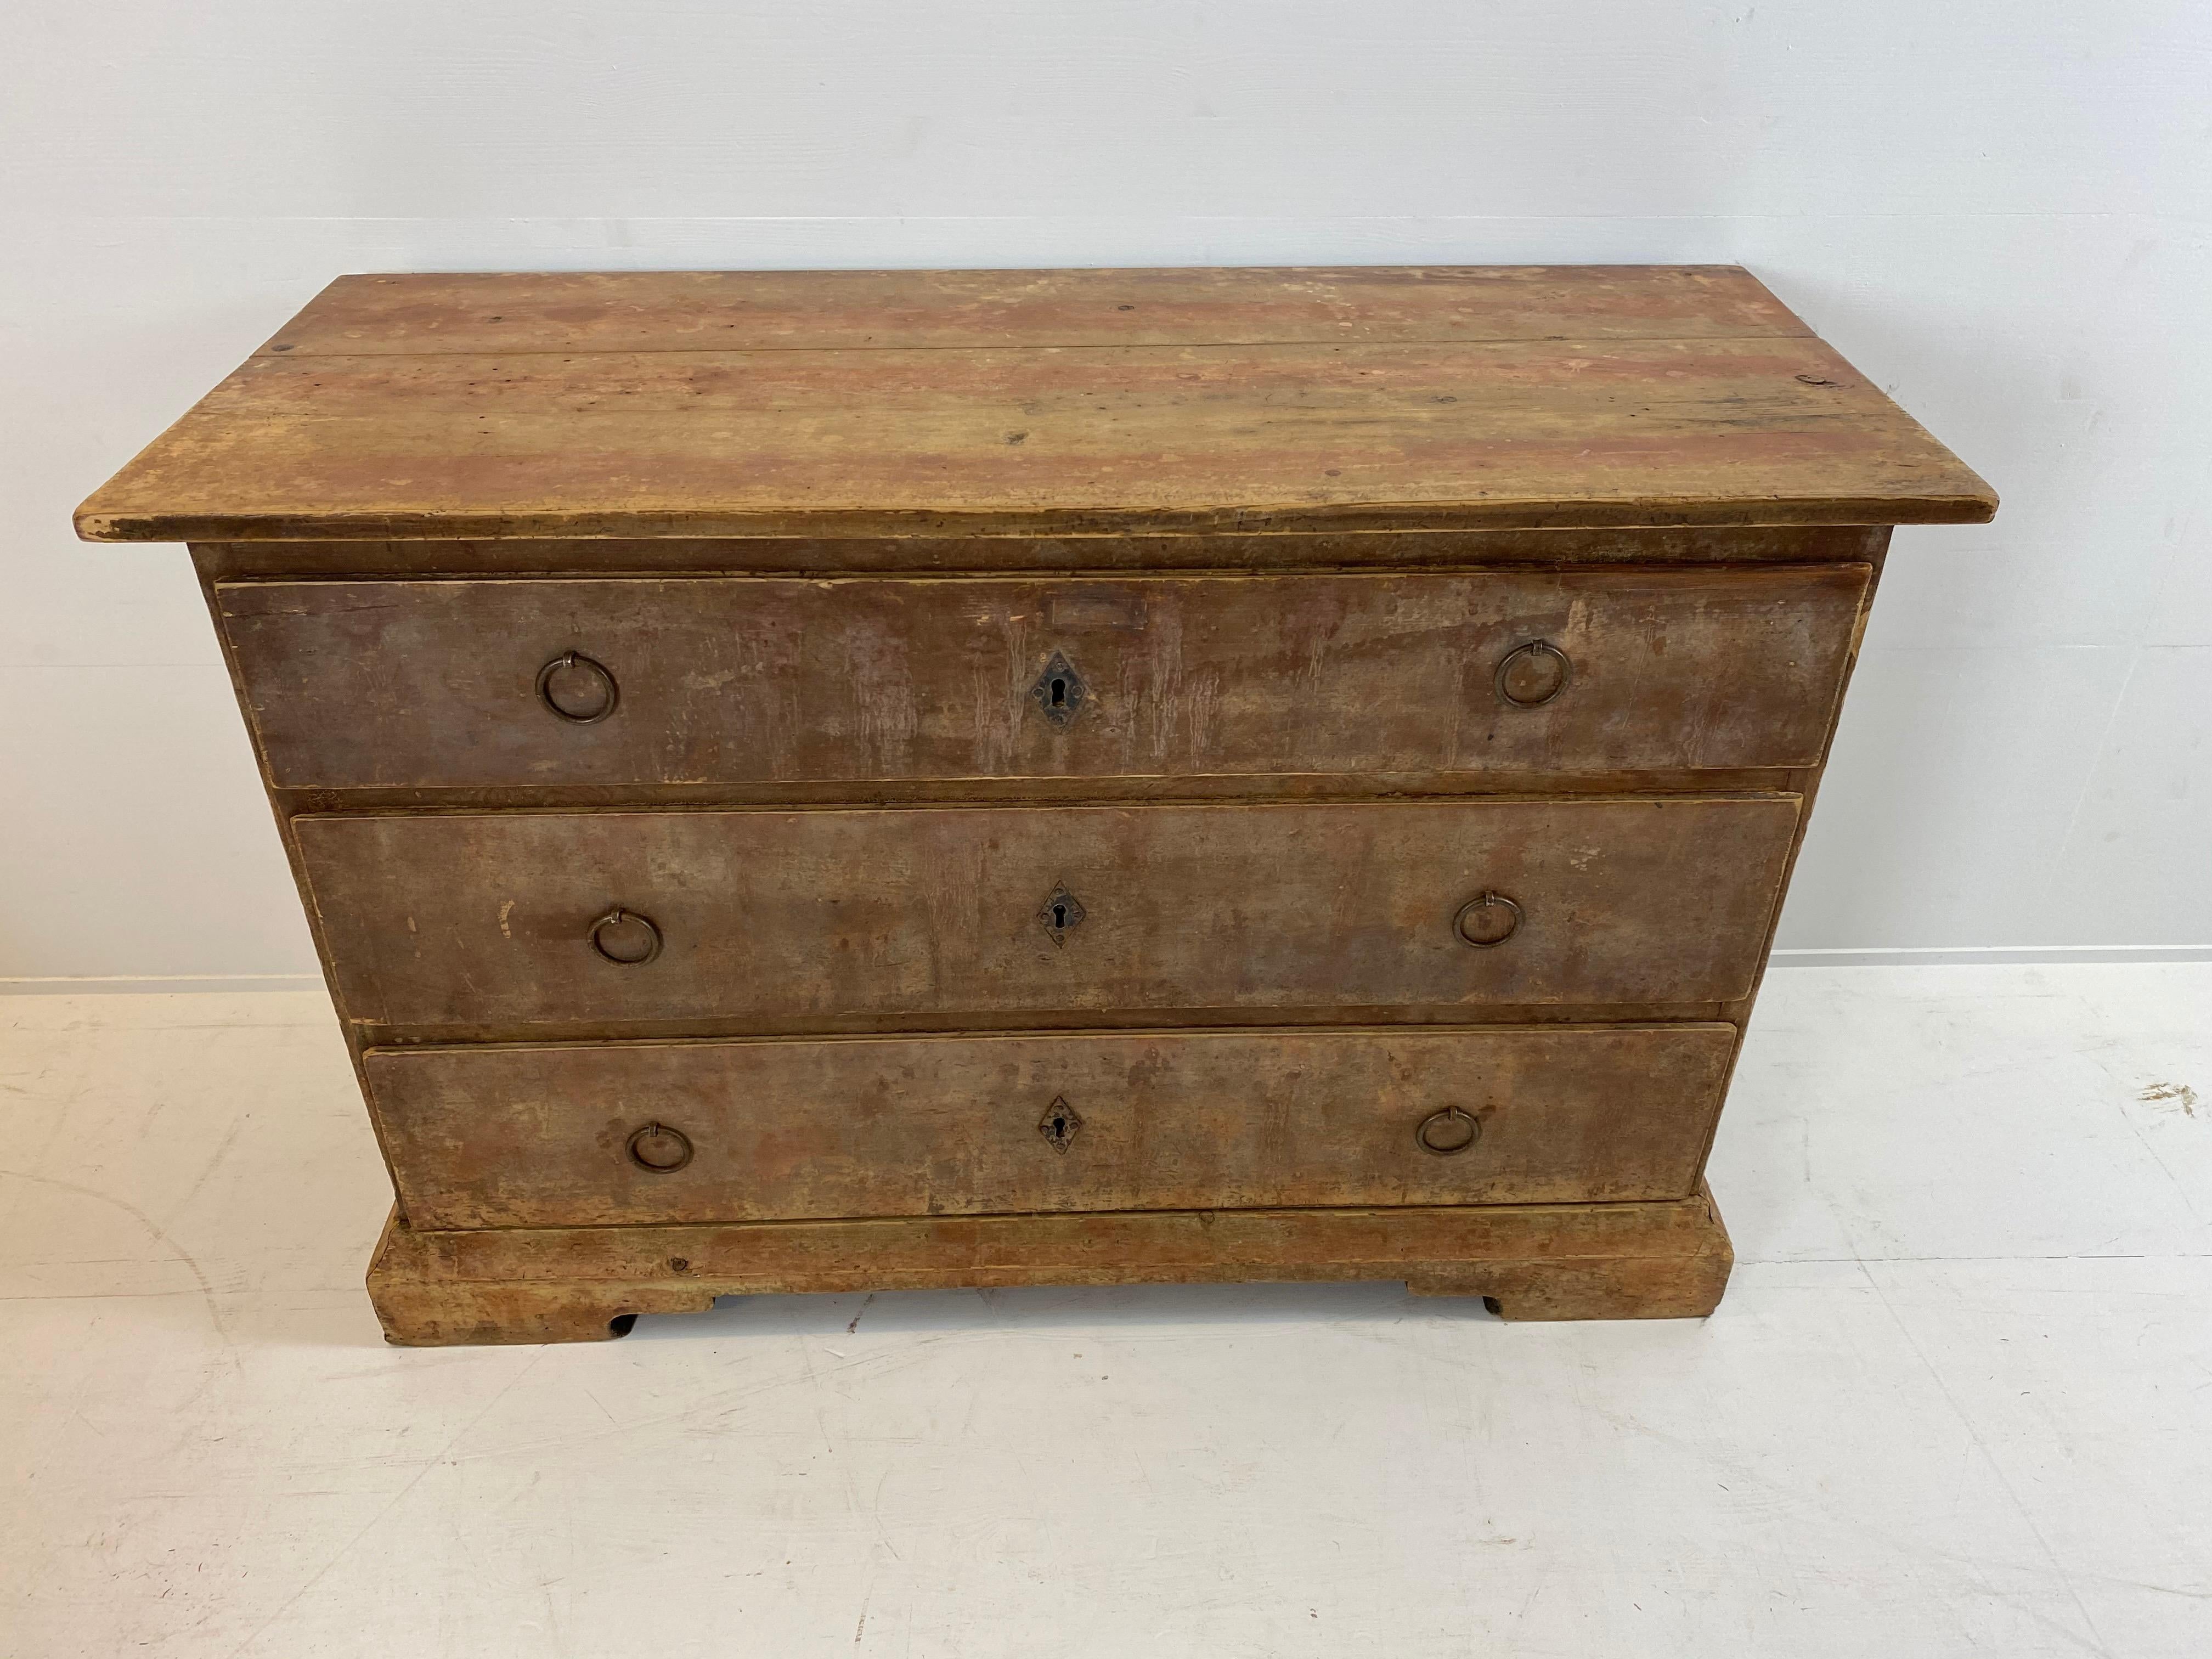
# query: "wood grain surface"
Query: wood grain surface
531,1137
1275,531
1539,1261
1442,416
753,681
472,312
485,918
1223,551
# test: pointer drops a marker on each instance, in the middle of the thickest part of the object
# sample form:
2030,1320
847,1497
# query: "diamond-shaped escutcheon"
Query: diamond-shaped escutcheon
1059,692
1060,913
1060,1123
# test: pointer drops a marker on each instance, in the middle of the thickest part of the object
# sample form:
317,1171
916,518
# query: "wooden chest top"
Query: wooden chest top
1060,403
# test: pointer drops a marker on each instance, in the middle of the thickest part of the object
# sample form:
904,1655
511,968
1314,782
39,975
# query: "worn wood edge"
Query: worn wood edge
290,842
1527,796
1807,786
1092,554
1276,1027
1412,1019
1976,503
1804,569
299,336
1639,1260
1341,788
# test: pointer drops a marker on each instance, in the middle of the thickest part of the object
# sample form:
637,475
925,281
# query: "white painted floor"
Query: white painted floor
1958,1398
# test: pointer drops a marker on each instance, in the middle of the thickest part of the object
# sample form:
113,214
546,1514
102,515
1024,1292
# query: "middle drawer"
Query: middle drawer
598,919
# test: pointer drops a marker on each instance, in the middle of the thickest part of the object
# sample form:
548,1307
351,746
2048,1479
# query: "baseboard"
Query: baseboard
1993,956
158,984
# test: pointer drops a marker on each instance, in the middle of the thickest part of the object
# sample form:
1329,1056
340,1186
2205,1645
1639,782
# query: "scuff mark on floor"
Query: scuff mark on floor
2179,1093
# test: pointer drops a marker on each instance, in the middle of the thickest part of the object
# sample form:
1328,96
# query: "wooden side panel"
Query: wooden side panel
741,681
868,1126
470,918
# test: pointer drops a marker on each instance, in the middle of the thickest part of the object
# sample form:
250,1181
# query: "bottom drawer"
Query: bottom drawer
590,1133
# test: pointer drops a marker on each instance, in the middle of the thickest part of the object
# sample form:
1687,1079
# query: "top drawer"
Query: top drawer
744,680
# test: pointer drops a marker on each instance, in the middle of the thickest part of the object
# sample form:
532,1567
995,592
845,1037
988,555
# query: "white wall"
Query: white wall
1998,208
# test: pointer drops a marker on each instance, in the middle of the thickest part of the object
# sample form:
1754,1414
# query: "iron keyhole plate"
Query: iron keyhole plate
1060,914
1059,692
1060,1124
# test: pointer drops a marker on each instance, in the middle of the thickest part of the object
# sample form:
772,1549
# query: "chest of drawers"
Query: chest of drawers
875,779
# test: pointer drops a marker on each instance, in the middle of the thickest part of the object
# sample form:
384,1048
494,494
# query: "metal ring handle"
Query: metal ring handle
660,1131
1531,651
578,660
1484,901
1462,1130
615,918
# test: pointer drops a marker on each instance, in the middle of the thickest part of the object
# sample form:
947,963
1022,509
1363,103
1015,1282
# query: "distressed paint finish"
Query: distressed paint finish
483,918
740,681
864,310
537,1137
1393,550
826,526
1534,423
1535,1262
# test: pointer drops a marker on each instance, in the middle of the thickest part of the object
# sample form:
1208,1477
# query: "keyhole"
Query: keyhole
1060,1125
1058,691
1060,914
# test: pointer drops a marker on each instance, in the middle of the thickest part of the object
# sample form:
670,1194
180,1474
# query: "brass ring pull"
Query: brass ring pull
609,693
619,918
661,1149
1477,923
1540,659
1448,1132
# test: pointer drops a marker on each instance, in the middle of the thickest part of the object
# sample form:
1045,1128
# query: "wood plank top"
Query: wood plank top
829,310
1073,402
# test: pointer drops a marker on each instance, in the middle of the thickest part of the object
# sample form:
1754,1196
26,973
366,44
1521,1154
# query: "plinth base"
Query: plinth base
1663,1261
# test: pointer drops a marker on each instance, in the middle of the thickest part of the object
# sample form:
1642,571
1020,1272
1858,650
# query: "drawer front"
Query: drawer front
641,1133
760,681
508,919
